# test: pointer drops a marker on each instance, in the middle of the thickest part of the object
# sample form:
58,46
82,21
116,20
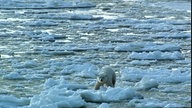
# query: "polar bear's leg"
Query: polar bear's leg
97,86
113,81
109,83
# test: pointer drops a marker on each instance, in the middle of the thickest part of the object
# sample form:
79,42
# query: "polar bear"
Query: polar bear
106,77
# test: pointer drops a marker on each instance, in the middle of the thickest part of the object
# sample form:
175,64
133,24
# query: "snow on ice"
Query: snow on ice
156,55
14,76
110,95
85,70
58,94
154,76
40,4
104,105
12,101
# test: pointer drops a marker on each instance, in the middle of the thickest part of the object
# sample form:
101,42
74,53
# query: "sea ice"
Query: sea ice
61,83
142,62
158,75
104,105
172,35
147,46
86,70
57,98
13,76
64,4
58,93
110,95
26,64
157,55
44,4
40,23
70,16
9,101
146,84
155,103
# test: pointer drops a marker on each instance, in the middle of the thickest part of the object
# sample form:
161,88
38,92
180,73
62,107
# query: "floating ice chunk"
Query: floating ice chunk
104,105
160,75
61,83
27,64
83,17
13,76
142,62
84,4
12,101
110,95
164,47
70,16
146,84
57,98
63,4
51,3
172,35
154,103
132,74
37,4
50,83
40,23
73,86
87,73
82,70
151,26
47,38
174,105
116,94
147,46
146,103
177,77
44,36
176,5
130,47
157,55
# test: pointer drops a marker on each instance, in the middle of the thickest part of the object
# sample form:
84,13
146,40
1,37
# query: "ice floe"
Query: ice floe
9,101
56,98
160,27
172,35
147,46
152,103
60,93
146,84
176,5
118,47
14,76
85,70
104,105
40,23
26,64
142,62
110,95
40,4
44,36
70,16
154,76
62,83
157,55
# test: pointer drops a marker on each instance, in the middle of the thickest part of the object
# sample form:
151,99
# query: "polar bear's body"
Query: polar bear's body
106,77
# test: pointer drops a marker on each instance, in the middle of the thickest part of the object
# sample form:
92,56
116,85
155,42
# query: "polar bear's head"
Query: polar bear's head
102,78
